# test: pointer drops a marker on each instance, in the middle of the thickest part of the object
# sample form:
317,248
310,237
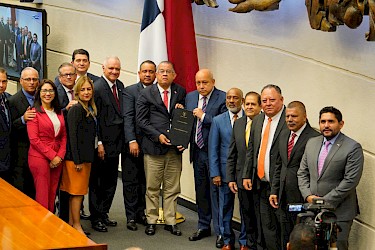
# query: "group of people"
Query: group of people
19,48
77,127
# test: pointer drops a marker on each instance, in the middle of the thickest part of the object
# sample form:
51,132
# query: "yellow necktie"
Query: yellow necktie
247,134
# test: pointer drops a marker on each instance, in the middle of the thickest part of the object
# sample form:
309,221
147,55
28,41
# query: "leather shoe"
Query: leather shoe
142,220
150,229
200,234
131,225
99,226
110,223
243,247
84,216
219,241
87,233
227,247
173,229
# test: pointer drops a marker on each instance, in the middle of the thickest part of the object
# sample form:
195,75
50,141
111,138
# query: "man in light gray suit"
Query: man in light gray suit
331,168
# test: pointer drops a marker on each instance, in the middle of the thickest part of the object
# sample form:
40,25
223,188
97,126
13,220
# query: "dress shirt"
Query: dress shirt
161,90
298,133
54,119
68,94
332,141
200,105
231,115
110,84
30,100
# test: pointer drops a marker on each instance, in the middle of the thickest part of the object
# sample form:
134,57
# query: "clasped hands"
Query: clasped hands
55,162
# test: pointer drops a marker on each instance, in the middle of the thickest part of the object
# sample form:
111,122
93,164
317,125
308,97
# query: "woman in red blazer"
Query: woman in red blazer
47,136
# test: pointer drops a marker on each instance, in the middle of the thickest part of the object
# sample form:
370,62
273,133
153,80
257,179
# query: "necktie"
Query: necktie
291,144
235,116
322,157
114,91
165,98
263,149
3,110
199,128
71,92
247,134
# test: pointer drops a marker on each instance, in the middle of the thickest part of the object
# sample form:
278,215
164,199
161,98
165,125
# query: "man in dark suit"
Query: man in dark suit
222,199
103,178
331,168
235,164
2,41
292,144
81,62
36,53
20,106
163,161
261,160
206,102
133,174
5,128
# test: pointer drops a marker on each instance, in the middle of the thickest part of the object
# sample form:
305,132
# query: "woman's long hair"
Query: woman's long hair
77,88
38,101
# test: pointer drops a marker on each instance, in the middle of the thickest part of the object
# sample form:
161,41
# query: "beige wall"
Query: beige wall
247,51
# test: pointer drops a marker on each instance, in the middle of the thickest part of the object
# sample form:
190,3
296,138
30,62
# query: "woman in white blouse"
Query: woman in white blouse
47,136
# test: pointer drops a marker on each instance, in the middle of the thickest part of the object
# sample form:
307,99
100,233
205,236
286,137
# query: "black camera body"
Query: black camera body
319,215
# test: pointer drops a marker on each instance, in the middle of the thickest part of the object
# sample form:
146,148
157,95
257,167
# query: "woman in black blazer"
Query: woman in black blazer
81,122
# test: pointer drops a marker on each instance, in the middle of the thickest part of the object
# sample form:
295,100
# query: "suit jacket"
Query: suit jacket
110,117
285,183
218,144
5,130
35,55
63,98
43,142
81,135
18,104
153,117
215,106
237,152
130,97
340,176
251,164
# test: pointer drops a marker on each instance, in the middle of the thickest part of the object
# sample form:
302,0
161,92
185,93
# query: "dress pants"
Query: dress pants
287,221
268,216
134,185
162,171
46,180
343,236
203,185
249,224
222,210
102,186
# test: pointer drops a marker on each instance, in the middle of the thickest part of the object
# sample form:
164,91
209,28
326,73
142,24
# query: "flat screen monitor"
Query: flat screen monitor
23,39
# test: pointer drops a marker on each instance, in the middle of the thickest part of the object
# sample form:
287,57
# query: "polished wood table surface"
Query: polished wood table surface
25,224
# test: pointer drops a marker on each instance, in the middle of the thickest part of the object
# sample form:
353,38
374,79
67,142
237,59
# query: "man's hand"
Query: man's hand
134,148
179,106
180,148
216,181
70,104
273,201
247,184
310,198
233,186
164,140
101,151
198,112
29,114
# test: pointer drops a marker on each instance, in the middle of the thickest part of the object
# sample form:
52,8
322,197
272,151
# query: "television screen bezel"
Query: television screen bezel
43,42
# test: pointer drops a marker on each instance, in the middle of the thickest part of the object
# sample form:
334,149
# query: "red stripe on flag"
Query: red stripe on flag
181,44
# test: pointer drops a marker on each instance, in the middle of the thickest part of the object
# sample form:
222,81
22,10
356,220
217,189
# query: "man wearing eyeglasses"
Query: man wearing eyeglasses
162,160
20,106
67,78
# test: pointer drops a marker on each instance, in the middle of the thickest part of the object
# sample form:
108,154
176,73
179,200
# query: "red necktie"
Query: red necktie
291,144
71,92
263,149
165,99
114,91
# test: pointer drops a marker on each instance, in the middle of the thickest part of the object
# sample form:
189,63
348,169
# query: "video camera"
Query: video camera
319,215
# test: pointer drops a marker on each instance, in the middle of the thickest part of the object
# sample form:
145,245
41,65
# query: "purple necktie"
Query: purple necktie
322,157
200,142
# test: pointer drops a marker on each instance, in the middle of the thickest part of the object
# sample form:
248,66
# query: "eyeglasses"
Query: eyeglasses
45,91
68,75
168,71
30,79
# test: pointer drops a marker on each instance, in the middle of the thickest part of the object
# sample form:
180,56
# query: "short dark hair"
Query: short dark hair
38,102
272,86
333,110
35,35
3,71
166,62
302,237
147,61
255,94
80,52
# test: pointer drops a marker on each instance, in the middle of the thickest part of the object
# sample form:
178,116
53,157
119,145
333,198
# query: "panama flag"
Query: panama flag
167,33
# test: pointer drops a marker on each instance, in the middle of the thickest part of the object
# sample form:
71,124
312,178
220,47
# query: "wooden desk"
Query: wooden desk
25,224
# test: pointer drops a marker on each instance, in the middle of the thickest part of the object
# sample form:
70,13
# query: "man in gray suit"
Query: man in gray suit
331,168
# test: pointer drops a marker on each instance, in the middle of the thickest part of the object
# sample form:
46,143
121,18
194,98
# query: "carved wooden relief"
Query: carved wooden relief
244,6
